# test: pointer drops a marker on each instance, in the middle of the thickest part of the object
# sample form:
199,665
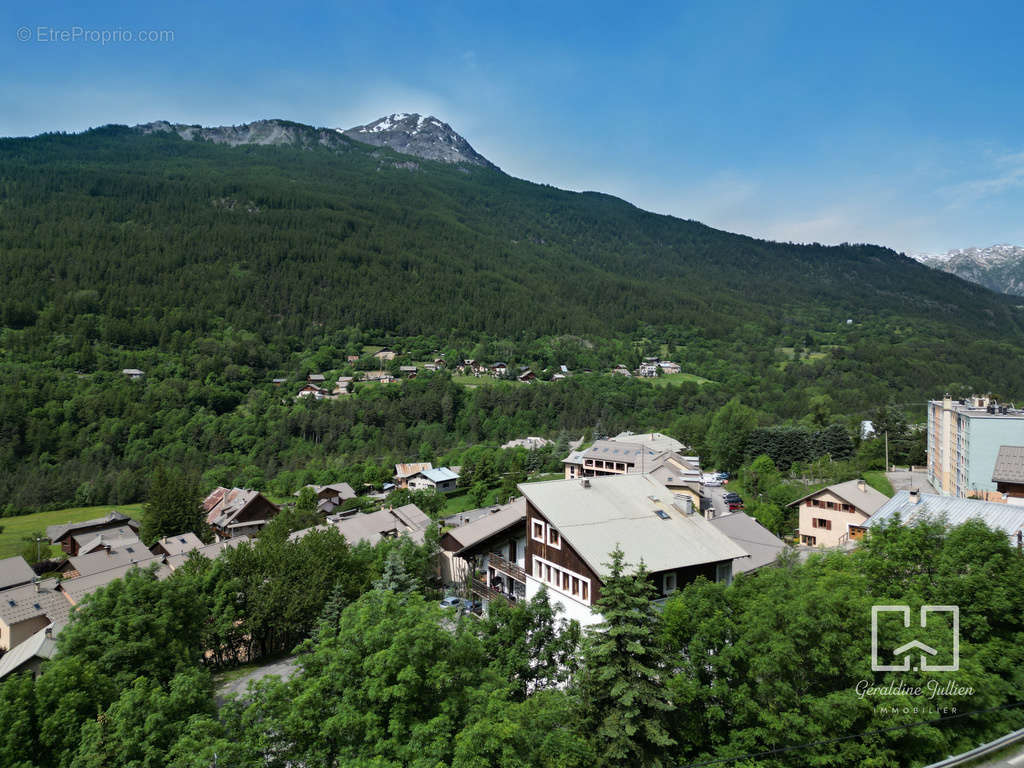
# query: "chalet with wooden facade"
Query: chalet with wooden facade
70,535
238,512
490,551
572,526
441,479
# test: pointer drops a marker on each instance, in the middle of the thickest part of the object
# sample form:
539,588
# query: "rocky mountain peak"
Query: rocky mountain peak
418,135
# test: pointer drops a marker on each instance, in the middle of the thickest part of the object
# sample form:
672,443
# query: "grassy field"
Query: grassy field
676,378
17,529
876,479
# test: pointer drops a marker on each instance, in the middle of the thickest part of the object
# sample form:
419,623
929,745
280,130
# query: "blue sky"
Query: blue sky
895,123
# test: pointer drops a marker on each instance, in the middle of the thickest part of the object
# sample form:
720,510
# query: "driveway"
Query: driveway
283,668
905,480
718,499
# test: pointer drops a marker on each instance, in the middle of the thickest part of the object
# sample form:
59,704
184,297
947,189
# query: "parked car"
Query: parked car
467,606
722,475
735,506
711,481
732,496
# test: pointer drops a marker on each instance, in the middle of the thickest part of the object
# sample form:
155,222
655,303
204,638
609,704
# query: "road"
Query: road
904,480
1013,757
718,499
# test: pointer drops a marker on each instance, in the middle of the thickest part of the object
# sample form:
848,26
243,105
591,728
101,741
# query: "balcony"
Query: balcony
487,593
499,563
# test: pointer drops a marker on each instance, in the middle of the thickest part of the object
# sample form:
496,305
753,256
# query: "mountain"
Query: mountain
425,137
409,134
998,267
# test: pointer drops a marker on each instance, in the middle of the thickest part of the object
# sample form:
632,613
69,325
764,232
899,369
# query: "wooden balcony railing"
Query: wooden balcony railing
488,593
499,563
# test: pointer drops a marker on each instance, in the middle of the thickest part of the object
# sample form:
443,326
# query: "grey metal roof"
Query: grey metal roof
115,537
40,645
439,474
865,498
655,440
102,560
374,526
209,551
26,602
1009,465
56,532
76,589
505,517
634,512
407,470
764,547
181,544
15,571
1005,517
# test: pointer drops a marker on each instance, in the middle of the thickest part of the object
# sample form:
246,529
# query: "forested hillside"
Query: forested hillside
215,268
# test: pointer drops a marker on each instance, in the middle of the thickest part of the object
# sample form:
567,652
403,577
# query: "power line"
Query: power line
795,747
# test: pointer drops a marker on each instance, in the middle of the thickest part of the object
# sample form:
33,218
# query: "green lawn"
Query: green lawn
876,479
546,476
676,378
16,529
477,381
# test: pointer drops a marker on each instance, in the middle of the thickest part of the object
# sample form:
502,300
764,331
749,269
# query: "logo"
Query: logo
925,651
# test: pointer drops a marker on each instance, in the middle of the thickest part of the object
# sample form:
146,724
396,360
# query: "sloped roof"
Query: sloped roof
181,544
374,526
102,560
506,517
439,475
57,532
229,505
41,645
655,440
209,551
634,512
764,547
407,470
115,537
1005,517
1009,465
26,602
344,490
15,571
866,499
77,589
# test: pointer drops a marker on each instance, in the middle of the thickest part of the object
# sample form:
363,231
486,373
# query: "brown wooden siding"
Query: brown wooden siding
565,557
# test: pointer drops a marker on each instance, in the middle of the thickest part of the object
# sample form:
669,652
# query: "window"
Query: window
821,522
584,590
575,585
723,573
565,581
808,540
538,531
547,573
554,539
668,583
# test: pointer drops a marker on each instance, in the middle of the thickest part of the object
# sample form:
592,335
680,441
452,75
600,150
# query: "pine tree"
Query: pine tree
622,687
174,506
395,578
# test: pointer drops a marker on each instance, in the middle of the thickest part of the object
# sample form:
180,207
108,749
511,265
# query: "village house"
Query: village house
132,552
498,370
237,511
572,526
408,520
30,655
408,371
15,571
133,373
627,453
912,506
209,551
65,534
385,355
379,377
1008,474
87,543
352,358
489,552
278,382
442,480
316,379
26,609
404,471
668,367
311,390
826,516
621,370
329,497
648,368
181,544
343,385
526,375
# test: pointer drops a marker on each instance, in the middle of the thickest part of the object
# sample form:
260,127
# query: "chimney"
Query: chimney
862,486
585,482
915,496
49,632
106,548
35,583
